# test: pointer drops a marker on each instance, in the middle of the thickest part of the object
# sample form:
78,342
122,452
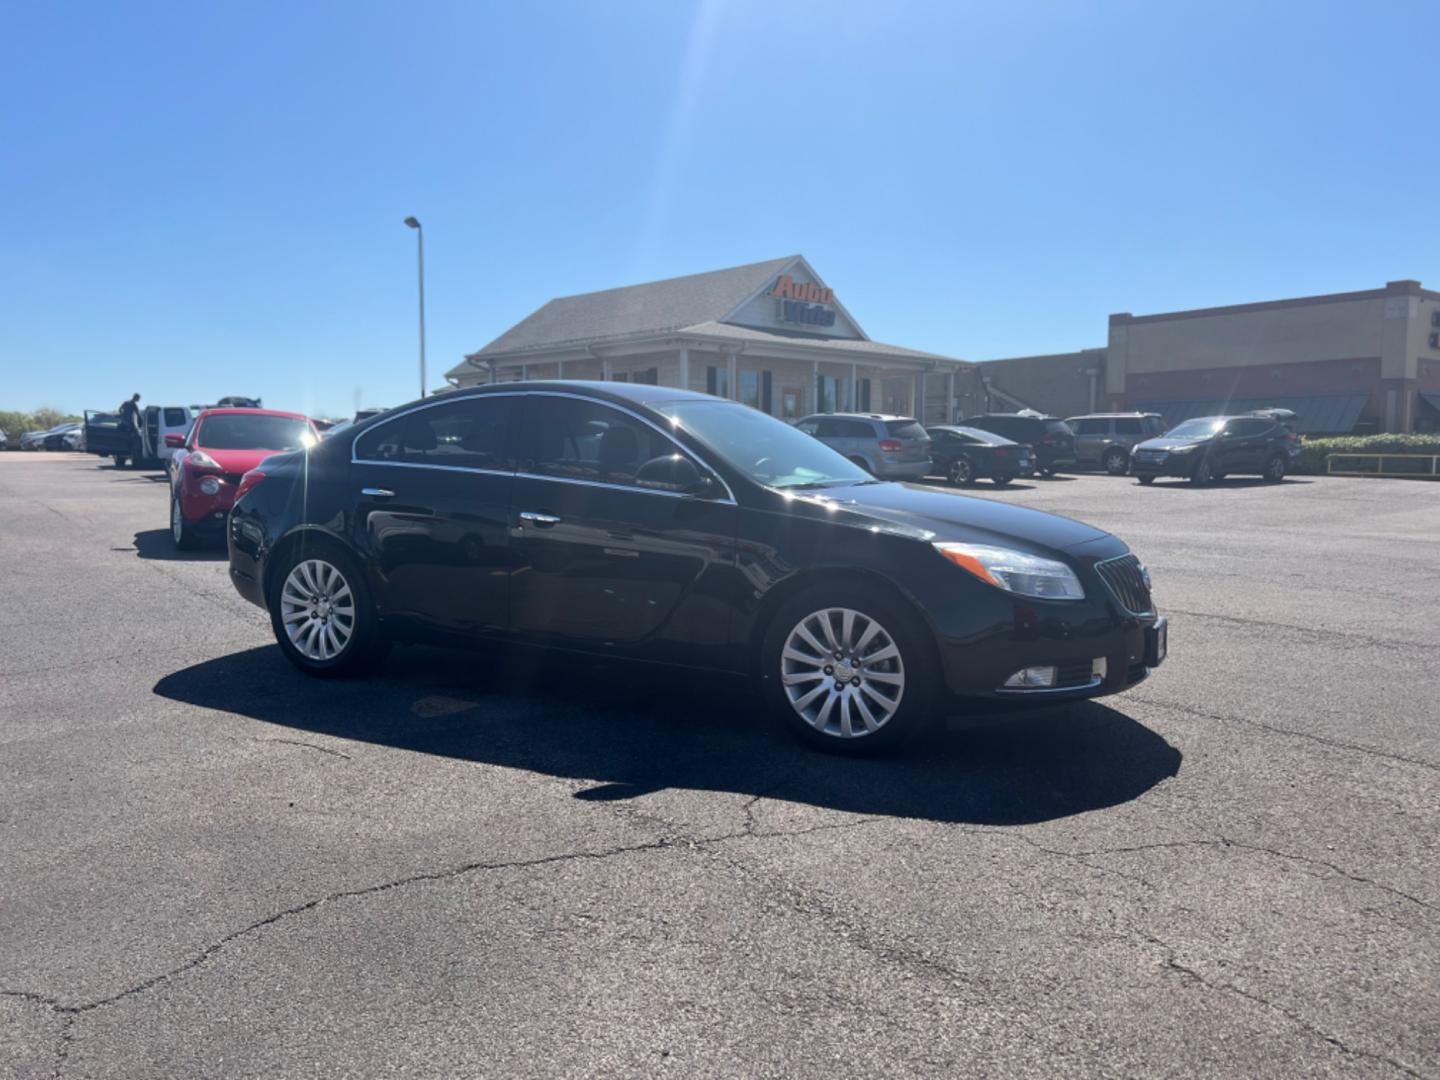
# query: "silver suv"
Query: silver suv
1106,439
890,447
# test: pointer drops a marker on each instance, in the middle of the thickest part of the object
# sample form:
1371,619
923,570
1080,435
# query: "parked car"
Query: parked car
890,447
33,440
107,436
4,440
1213,447
963,455
1104,440
1051,437
649,523
223,445
61,437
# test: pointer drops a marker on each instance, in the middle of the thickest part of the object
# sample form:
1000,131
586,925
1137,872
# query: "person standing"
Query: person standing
130,419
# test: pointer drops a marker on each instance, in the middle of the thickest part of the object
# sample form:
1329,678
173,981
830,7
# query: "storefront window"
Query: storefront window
750,389
717,381
832,394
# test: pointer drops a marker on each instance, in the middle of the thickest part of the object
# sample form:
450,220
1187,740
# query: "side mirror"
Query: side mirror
175,440
673,472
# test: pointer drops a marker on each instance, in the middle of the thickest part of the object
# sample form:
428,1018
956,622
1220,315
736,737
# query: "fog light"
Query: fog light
1031,677
210,486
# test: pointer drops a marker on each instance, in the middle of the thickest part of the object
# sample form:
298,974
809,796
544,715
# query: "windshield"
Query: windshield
236,431
767,450
1202,428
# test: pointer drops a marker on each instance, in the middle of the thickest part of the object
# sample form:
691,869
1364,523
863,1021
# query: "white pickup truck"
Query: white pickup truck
107,437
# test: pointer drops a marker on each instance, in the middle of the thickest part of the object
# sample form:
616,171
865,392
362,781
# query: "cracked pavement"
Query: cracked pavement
504,865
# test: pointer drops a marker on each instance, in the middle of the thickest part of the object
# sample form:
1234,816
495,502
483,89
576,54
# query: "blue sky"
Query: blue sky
206,199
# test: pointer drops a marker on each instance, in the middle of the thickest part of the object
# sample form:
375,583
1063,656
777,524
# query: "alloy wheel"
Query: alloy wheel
842,673
961,471
1276,469
317,610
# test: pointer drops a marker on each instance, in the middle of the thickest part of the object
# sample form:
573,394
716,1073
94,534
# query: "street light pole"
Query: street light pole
414,223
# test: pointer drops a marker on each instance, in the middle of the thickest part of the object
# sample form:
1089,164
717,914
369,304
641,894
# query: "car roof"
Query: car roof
858,416
989,437
235,410
1109,416
1011,416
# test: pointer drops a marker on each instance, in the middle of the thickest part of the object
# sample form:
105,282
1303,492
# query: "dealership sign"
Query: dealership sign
804,302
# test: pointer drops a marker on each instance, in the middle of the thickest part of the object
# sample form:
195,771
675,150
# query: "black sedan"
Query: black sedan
963,455
1210,448
655,524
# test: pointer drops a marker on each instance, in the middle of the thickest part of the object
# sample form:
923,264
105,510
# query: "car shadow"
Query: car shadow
159,544
1179,484
633,731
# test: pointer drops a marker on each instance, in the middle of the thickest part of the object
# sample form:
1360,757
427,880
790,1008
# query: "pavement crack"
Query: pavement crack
1173,963
1322,739
307,745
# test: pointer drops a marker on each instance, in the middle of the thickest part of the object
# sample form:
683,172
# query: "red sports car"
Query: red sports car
223,445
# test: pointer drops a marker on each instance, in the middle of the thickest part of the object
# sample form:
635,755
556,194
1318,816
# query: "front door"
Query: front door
605,557
432,508
790,403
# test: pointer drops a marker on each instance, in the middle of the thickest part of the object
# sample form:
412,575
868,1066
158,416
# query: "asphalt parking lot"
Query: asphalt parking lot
214,866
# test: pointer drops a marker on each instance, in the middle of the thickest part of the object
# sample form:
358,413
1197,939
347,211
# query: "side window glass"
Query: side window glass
831,429
1091,427
809,427
1128,427
856,429
585,440
176,418
469,433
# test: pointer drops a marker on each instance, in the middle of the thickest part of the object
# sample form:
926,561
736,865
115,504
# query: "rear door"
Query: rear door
432,505
1091,438
605,560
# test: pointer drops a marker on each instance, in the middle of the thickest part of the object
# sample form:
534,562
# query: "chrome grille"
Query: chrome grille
1126,580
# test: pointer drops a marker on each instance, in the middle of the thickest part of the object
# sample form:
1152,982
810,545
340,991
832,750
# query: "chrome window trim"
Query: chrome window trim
447,399
436,403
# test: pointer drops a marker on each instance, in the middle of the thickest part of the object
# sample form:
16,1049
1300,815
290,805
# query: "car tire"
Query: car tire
1147,480
310,626
961,472
1203,474
1275,469
1046,471
803,697
181,531
120,460
1117,462
1001,481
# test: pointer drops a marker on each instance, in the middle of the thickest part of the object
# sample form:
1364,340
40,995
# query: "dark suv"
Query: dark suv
1052,438
1213,447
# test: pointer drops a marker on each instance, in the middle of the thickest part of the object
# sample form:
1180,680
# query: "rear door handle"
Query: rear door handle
533,517
377,493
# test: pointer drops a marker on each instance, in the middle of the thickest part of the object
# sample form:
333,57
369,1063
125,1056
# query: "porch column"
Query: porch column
605,372
559,369
917,397
684,369
524,372
814,394
853,398
733,364
950,397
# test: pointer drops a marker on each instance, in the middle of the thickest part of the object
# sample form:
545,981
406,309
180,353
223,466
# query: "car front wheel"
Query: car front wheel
1117,462
181,531
321,614
849,669
962,472
1203,474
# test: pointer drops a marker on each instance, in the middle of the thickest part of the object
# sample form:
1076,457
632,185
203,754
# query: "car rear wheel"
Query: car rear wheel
1146,479
120,460
321,614
1275,469
1117,462
181,531
849,669
962,471
1002,480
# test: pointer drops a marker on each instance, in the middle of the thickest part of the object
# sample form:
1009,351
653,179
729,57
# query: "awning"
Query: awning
1329,414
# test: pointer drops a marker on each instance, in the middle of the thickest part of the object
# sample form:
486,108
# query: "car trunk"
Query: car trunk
914,442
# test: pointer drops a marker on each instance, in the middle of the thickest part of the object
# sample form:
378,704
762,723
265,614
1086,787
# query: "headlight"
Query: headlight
210,486
1015,571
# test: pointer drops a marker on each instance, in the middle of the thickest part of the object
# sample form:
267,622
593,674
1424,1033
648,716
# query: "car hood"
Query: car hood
931,514
1166,443
240,461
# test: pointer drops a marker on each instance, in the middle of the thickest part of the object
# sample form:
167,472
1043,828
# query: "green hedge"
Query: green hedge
1316,451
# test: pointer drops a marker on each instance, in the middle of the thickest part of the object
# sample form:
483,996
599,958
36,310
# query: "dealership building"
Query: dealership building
773,335
1356,362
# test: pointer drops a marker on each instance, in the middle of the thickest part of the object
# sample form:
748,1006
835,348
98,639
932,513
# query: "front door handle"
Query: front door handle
377,493
544,521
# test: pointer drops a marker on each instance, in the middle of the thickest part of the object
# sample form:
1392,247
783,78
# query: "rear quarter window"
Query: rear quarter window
176,417
1058,427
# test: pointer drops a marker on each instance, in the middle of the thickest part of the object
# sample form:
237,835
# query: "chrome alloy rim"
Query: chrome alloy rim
842,673
317,610
960,471
177,523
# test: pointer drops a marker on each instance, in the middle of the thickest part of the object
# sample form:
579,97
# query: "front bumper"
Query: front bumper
1182,465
